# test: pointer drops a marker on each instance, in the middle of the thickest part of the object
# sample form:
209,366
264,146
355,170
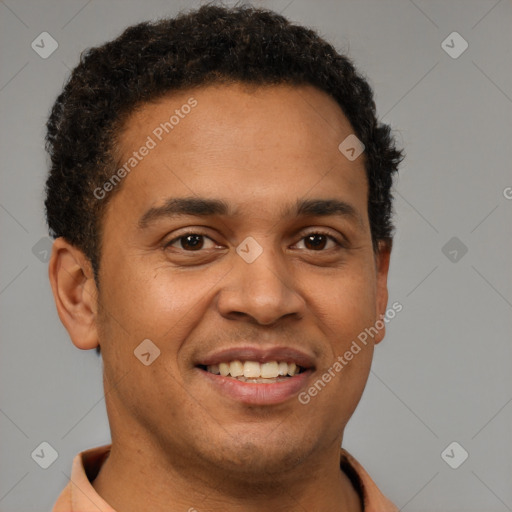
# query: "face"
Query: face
269,261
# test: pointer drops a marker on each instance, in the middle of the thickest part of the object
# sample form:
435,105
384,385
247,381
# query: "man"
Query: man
219,195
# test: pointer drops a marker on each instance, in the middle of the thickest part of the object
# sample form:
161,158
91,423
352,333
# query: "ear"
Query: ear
382,266
75,293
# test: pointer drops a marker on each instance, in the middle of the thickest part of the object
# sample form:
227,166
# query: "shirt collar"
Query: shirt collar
80,496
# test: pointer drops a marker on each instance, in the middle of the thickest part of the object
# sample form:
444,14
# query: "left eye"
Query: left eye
318,241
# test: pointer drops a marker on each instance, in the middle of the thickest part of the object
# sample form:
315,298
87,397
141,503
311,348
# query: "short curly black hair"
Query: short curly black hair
213,44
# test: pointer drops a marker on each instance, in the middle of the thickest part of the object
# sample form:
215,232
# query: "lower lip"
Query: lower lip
258,394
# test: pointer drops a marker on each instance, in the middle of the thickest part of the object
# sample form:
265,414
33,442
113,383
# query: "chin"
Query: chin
260,455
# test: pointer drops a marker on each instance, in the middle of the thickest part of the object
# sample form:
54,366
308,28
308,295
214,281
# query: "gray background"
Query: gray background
443,372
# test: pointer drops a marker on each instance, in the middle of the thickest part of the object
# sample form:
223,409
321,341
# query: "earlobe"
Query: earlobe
75,293
382,263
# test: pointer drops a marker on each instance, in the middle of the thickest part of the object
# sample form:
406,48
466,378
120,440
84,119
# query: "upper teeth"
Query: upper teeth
253,369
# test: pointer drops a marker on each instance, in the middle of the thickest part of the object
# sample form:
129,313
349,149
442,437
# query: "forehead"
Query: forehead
263,117
260,147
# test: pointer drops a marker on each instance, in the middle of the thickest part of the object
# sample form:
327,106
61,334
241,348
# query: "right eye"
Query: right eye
190,242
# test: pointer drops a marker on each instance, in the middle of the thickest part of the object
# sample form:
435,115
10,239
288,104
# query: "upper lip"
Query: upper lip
258,354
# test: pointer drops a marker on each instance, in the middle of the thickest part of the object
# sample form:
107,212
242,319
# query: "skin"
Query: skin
178,443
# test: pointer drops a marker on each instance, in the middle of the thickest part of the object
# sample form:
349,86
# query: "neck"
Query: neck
142,478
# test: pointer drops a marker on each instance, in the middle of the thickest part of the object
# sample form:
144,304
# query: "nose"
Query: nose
261,292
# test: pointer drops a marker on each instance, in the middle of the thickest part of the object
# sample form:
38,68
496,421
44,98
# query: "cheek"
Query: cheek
139,294
346,307
156,302
344,310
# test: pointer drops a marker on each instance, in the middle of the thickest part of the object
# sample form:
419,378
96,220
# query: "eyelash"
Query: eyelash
339,244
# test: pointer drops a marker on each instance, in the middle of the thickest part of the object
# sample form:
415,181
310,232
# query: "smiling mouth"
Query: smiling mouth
254,372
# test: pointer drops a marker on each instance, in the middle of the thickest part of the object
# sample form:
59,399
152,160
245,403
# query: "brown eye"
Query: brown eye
315,241
189,242
195,242
318,241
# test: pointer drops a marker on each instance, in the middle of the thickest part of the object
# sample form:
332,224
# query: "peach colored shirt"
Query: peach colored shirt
79,494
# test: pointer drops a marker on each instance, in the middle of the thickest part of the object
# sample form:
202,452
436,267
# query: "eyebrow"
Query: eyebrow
204,207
